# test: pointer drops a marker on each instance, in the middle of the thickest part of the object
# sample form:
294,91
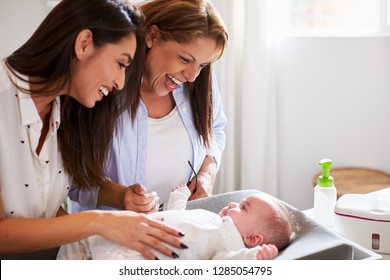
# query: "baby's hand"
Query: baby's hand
181,188
267,252
178,198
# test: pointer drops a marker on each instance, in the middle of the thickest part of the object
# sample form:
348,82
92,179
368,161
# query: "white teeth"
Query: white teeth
103,90
176,81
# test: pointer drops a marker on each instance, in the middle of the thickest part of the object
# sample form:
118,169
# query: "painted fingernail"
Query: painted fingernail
181,234
156,259
184,246
175,255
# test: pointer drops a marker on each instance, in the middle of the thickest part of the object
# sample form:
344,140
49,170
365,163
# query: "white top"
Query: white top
31,186
168,145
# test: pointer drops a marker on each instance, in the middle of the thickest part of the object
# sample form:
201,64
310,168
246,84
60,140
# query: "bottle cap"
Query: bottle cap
325,180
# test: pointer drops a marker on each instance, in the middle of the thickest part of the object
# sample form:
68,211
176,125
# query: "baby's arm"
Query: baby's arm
263,252
178,198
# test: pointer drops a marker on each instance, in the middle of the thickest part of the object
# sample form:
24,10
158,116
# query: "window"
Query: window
354,17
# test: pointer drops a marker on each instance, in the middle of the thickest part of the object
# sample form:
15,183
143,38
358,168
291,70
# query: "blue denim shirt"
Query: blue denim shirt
127,165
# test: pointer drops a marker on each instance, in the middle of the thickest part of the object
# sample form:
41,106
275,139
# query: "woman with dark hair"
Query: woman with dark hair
51,131
178,127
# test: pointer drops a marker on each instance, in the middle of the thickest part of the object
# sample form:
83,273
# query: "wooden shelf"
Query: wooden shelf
357,180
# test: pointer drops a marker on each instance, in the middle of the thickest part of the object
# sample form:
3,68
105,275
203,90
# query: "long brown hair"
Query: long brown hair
183,21
84,134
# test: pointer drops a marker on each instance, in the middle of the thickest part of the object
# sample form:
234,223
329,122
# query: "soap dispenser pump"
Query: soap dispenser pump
325,196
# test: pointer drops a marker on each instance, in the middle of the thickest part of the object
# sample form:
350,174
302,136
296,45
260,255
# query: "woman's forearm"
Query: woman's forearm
21,235
207,174
112,195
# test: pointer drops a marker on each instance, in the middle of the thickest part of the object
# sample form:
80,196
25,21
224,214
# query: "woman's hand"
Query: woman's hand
267,252
203,187
136,198
203,182
139,232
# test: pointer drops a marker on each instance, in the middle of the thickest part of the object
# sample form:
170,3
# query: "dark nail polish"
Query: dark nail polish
175,255
181,234
184,246
156,259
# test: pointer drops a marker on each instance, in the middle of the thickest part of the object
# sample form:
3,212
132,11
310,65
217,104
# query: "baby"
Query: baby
255,228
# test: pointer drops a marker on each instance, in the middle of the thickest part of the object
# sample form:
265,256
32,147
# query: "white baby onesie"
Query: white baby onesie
207,235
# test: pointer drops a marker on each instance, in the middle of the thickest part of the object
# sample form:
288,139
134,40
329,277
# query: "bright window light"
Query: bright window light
336,16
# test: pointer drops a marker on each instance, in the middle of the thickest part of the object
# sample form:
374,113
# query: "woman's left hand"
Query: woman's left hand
203,182
203,187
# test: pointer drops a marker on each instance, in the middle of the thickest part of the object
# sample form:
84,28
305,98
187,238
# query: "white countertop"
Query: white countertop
309,212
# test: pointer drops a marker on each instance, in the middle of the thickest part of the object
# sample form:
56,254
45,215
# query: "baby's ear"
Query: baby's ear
253,239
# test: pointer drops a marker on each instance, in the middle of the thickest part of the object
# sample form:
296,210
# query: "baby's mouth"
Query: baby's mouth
223,213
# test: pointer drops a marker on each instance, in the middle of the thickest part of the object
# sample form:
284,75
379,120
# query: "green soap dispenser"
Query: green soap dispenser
325,196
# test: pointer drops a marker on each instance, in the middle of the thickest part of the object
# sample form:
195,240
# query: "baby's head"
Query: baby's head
261,219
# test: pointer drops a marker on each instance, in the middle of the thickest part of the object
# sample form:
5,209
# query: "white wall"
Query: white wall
18,20
334,99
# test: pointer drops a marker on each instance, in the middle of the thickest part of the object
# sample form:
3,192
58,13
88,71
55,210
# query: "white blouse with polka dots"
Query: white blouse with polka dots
31,185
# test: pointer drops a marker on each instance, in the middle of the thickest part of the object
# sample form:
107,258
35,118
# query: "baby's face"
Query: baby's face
249,212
